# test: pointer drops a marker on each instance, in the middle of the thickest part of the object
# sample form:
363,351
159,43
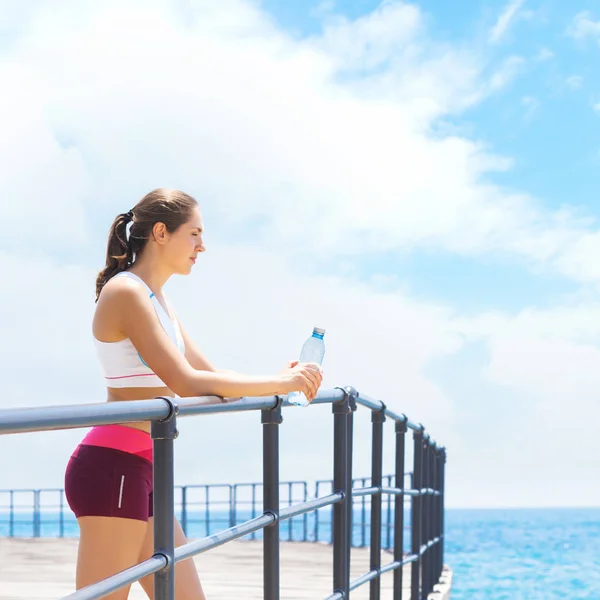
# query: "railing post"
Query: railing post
316,525
184,509
442,503
428,517
11,517
389,517
231,505
163,435
342,482
438,546
61,518
207,508
290,502
401,429
424,498
363,517
352,396
417,483
36,513
271,419
433,513
253,535
305,514
377,418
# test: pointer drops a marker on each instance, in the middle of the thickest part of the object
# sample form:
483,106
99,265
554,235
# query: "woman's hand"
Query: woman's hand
302,377
291,364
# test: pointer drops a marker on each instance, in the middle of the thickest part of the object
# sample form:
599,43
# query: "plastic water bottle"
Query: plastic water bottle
313,351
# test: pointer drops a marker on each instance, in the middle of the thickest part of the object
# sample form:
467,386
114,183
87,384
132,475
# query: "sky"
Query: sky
419,178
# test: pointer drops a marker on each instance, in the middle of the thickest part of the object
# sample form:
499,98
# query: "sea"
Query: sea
516,554
524,554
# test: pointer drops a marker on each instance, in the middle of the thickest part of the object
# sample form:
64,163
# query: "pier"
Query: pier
44,569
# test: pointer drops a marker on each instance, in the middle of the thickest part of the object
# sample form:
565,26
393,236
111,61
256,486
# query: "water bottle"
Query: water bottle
313,351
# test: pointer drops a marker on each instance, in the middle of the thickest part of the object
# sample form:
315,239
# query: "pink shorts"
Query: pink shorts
110,474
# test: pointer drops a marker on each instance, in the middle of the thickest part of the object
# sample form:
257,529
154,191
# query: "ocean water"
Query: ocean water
524,554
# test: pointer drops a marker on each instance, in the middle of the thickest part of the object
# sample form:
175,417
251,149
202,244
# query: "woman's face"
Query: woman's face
183,245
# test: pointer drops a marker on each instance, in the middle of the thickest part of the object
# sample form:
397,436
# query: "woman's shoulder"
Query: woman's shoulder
122,289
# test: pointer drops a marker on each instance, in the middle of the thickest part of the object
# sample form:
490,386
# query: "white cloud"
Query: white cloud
548,361
29,148
544,54
371,40
584,26
507,72
325,128
324,8
574,81
506,17
531,105
300,152
596,107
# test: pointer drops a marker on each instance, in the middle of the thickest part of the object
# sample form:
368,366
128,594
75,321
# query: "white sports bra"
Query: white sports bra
121,362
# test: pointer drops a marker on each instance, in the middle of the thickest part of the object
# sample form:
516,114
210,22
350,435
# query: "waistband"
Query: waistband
120,437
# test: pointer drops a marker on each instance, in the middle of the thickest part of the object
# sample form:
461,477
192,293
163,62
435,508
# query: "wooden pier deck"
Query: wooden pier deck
41,569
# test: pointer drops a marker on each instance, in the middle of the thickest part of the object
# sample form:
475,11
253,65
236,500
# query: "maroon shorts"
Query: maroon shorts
105,482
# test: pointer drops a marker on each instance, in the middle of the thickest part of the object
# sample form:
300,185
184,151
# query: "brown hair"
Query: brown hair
171,207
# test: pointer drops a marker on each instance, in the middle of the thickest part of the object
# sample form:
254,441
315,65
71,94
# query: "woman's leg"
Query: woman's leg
108,490
108,545
187,582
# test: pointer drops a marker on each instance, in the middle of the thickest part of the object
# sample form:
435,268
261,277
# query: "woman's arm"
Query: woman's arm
138,321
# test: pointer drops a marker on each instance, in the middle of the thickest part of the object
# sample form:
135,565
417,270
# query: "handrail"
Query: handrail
378,405
218,539
426,491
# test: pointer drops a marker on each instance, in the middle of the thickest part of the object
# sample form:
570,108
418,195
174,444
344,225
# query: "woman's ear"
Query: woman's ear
159,233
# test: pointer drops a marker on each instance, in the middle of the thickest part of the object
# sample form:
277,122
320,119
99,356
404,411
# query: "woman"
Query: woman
145,352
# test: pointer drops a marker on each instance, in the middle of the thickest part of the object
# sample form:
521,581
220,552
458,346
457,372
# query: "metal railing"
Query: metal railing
204,508
426,492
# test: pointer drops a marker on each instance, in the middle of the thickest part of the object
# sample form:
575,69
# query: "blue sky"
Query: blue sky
419,178
544,122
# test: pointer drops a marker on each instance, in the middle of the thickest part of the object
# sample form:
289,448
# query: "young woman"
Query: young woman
145,352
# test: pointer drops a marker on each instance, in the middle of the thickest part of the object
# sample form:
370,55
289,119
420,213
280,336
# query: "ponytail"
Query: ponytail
119,255
171,207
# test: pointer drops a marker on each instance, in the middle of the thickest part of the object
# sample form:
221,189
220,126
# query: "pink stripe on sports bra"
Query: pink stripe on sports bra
120,437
